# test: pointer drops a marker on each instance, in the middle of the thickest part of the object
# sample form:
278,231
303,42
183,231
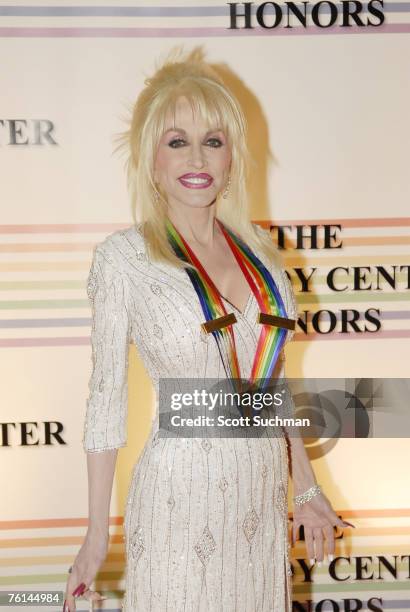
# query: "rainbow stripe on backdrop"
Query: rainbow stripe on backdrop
45,266
263,286
191,20
37,553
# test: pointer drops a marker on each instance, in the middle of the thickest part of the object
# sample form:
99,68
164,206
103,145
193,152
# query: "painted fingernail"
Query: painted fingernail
79,590
65,606
311,561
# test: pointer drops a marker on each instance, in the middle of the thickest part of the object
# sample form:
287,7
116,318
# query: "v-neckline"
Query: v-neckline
245,309
250,294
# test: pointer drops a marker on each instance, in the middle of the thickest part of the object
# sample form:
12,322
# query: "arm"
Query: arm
107,403
93,552
300,468
105,419
101,469
316,515
301,471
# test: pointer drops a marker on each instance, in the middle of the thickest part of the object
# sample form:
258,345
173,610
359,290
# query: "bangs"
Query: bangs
206,103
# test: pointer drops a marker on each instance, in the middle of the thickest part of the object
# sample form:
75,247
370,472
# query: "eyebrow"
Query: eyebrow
176,129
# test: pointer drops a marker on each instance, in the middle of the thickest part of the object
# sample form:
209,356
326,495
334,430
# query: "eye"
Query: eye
174,141
219,142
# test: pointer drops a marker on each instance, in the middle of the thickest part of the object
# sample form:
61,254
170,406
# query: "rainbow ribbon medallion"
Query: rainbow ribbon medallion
272,315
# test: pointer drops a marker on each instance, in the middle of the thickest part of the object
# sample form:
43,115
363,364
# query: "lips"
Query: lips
196,181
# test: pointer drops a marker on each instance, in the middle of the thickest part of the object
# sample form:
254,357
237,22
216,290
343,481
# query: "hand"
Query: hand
90,558
318,519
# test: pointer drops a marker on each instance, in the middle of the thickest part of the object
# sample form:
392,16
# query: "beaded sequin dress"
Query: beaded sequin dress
206,519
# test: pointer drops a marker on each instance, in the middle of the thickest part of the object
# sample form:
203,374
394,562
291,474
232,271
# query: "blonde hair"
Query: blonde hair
193,78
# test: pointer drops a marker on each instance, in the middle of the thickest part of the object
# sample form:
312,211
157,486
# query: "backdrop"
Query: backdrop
327,101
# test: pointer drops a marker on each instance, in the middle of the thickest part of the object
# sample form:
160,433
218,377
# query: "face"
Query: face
192,163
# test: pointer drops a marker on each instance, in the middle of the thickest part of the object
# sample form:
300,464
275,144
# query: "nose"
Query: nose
197,158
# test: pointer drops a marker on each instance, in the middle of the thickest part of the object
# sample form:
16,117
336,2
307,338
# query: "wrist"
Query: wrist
302,484
307,495
303,476
96,532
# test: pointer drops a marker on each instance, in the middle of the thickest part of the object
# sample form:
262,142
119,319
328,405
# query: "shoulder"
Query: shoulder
120,246
260,231
110,259
265,236
270,253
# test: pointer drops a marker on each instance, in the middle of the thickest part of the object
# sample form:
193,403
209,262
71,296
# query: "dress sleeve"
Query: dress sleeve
107,404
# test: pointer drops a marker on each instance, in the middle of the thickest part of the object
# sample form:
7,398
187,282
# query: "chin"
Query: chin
198,202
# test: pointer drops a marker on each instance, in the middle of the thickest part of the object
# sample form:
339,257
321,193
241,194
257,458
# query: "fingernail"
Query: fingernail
331,557
79,590
65,606
319,563
311,561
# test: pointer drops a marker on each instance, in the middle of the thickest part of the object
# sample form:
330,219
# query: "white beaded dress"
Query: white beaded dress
206,519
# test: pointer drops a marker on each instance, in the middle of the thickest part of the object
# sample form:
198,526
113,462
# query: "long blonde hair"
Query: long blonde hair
189,76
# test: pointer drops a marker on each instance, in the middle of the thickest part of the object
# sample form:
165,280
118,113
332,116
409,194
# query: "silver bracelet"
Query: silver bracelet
307,495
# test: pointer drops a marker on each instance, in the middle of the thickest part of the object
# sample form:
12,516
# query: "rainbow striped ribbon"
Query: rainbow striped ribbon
264,288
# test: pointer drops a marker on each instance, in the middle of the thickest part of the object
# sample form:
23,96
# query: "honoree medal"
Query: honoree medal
219,323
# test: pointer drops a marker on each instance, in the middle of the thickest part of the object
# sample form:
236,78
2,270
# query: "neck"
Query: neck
196,225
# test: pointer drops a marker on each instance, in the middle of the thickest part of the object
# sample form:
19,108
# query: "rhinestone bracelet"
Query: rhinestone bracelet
307,495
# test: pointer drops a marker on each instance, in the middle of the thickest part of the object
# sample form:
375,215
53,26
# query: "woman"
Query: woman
206,519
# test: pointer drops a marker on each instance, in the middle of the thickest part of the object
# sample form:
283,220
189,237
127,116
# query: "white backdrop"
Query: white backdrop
329,134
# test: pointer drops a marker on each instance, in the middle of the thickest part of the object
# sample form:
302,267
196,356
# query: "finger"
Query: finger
93,595
295,531
69,604
318,536
330,539
87,594
309,544
69,601
72,593
98,597
79,589
337,521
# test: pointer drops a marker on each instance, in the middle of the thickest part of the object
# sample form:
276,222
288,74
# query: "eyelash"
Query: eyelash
174,140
